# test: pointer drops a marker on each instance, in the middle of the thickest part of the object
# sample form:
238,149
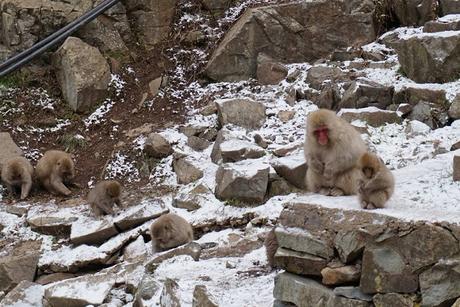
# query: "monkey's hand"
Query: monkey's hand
329,171
316,165
360,186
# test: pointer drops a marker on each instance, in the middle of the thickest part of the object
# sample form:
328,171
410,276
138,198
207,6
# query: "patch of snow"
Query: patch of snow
121,166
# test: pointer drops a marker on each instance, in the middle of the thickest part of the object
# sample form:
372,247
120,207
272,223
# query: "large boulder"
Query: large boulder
243,112
83,74
450,7
414,12
365,93
372,116
430,58
290,33
9,149
26,293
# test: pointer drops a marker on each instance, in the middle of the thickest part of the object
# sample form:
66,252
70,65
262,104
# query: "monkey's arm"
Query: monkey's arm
106,207
25,188
315,164
118,203
378,182
57,184
339,163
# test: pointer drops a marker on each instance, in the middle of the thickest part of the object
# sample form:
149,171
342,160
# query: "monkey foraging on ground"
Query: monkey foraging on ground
377,182
104,196
170,230
332,149
53,169
271,245
18,173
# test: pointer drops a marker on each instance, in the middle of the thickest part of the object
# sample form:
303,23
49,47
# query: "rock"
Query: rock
269,71
394,300
455,146
19,265
423,61
244,112
83,74
427,113
440,284
197,143
135,250
186,172
454,109
286,116
201,297
371,115
319,74
157,146
440,26
244,182
340,275
289,33
286,150
154,86
330,97
51,225
188,201
92,232
457,303
303,291
137,215
54,277
26,293
280,186
8,149
74,292
350,244
404,108
414,95
456,172
18,210
303,241
292,168
414,12
260,141
298,262
353,293
147,288
384,270
216,6
237,150
169,296
365,93
209,109
449,7
191,249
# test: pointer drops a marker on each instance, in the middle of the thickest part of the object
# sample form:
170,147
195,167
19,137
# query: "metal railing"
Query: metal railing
29,54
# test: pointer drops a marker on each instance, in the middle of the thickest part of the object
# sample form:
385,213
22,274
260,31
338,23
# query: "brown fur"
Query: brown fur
104,196
53,169
18,173
169,231
271,245
332,168
377,182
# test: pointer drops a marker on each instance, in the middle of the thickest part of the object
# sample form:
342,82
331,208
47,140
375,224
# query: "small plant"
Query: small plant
401,72
72,142
15,79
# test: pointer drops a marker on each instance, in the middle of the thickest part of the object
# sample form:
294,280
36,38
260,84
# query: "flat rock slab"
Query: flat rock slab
292,168
301,240
371,115
81,291
135,216
237,150
243,112
26,293
92,232
51,225
299,263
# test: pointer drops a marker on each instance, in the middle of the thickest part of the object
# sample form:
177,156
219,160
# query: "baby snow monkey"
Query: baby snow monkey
169,231
377,183
18,173
104,196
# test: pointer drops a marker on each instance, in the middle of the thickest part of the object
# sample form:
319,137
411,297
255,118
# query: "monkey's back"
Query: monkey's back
20,164
49,159
180,230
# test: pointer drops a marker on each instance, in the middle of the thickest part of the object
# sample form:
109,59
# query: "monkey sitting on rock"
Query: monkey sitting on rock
169,231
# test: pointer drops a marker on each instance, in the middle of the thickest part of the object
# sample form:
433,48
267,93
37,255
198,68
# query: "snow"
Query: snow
449,18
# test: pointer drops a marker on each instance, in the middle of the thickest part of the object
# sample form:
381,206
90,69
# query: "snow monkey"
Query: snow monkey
377,182
271,245
53,169
170,230
18,173
104,196
332,149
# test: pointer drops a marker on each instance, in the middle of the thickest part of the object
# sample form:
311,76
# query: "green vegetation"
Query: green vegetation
15,79
72,142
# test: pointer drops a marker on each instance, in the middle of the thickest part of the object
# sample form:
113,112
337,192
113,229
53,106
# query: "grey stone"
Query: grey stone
147,288
340,275
91,232
289,33
157,146
137,215
197,143
450,7
317,75
222,136
286,116
234,150
186,172
385,271
26,293
243,112
394,300
440,26
9,149
414,12
135,250
188,201
428,58
280,186
154,86
209,109
191,249
365,93
169,296
429,114
54,277
292,168
260,141
303,241
353,293
350,244
51,225
244,182
83,74
454,109
270,71
456,166
371,115
440,284
304,292
414,95
298,262
201,297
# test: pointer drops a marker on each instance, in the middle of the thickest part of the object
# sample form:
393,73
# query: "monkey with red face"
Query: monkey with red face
332,149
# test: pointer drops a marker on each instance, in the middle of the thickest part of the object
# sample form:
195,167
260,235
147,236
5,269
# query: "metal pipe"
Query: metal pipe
27,55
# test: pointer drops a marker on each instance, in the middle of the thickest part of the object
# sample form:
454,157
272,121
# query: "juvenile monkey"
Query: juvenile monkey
53,170
271,245
332,149
169,231
104,196
377,183
18,173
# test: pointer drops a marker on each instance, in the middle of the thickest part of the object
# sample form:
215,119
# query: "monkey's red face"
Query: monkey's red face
322,135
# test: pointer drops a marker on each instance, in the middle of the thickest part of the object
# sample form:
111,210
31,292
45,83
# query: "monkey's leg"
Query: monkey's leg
9,188
106,207
378,199
96,210
348,182
337,192
25,189
47,185
58,186
314,181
